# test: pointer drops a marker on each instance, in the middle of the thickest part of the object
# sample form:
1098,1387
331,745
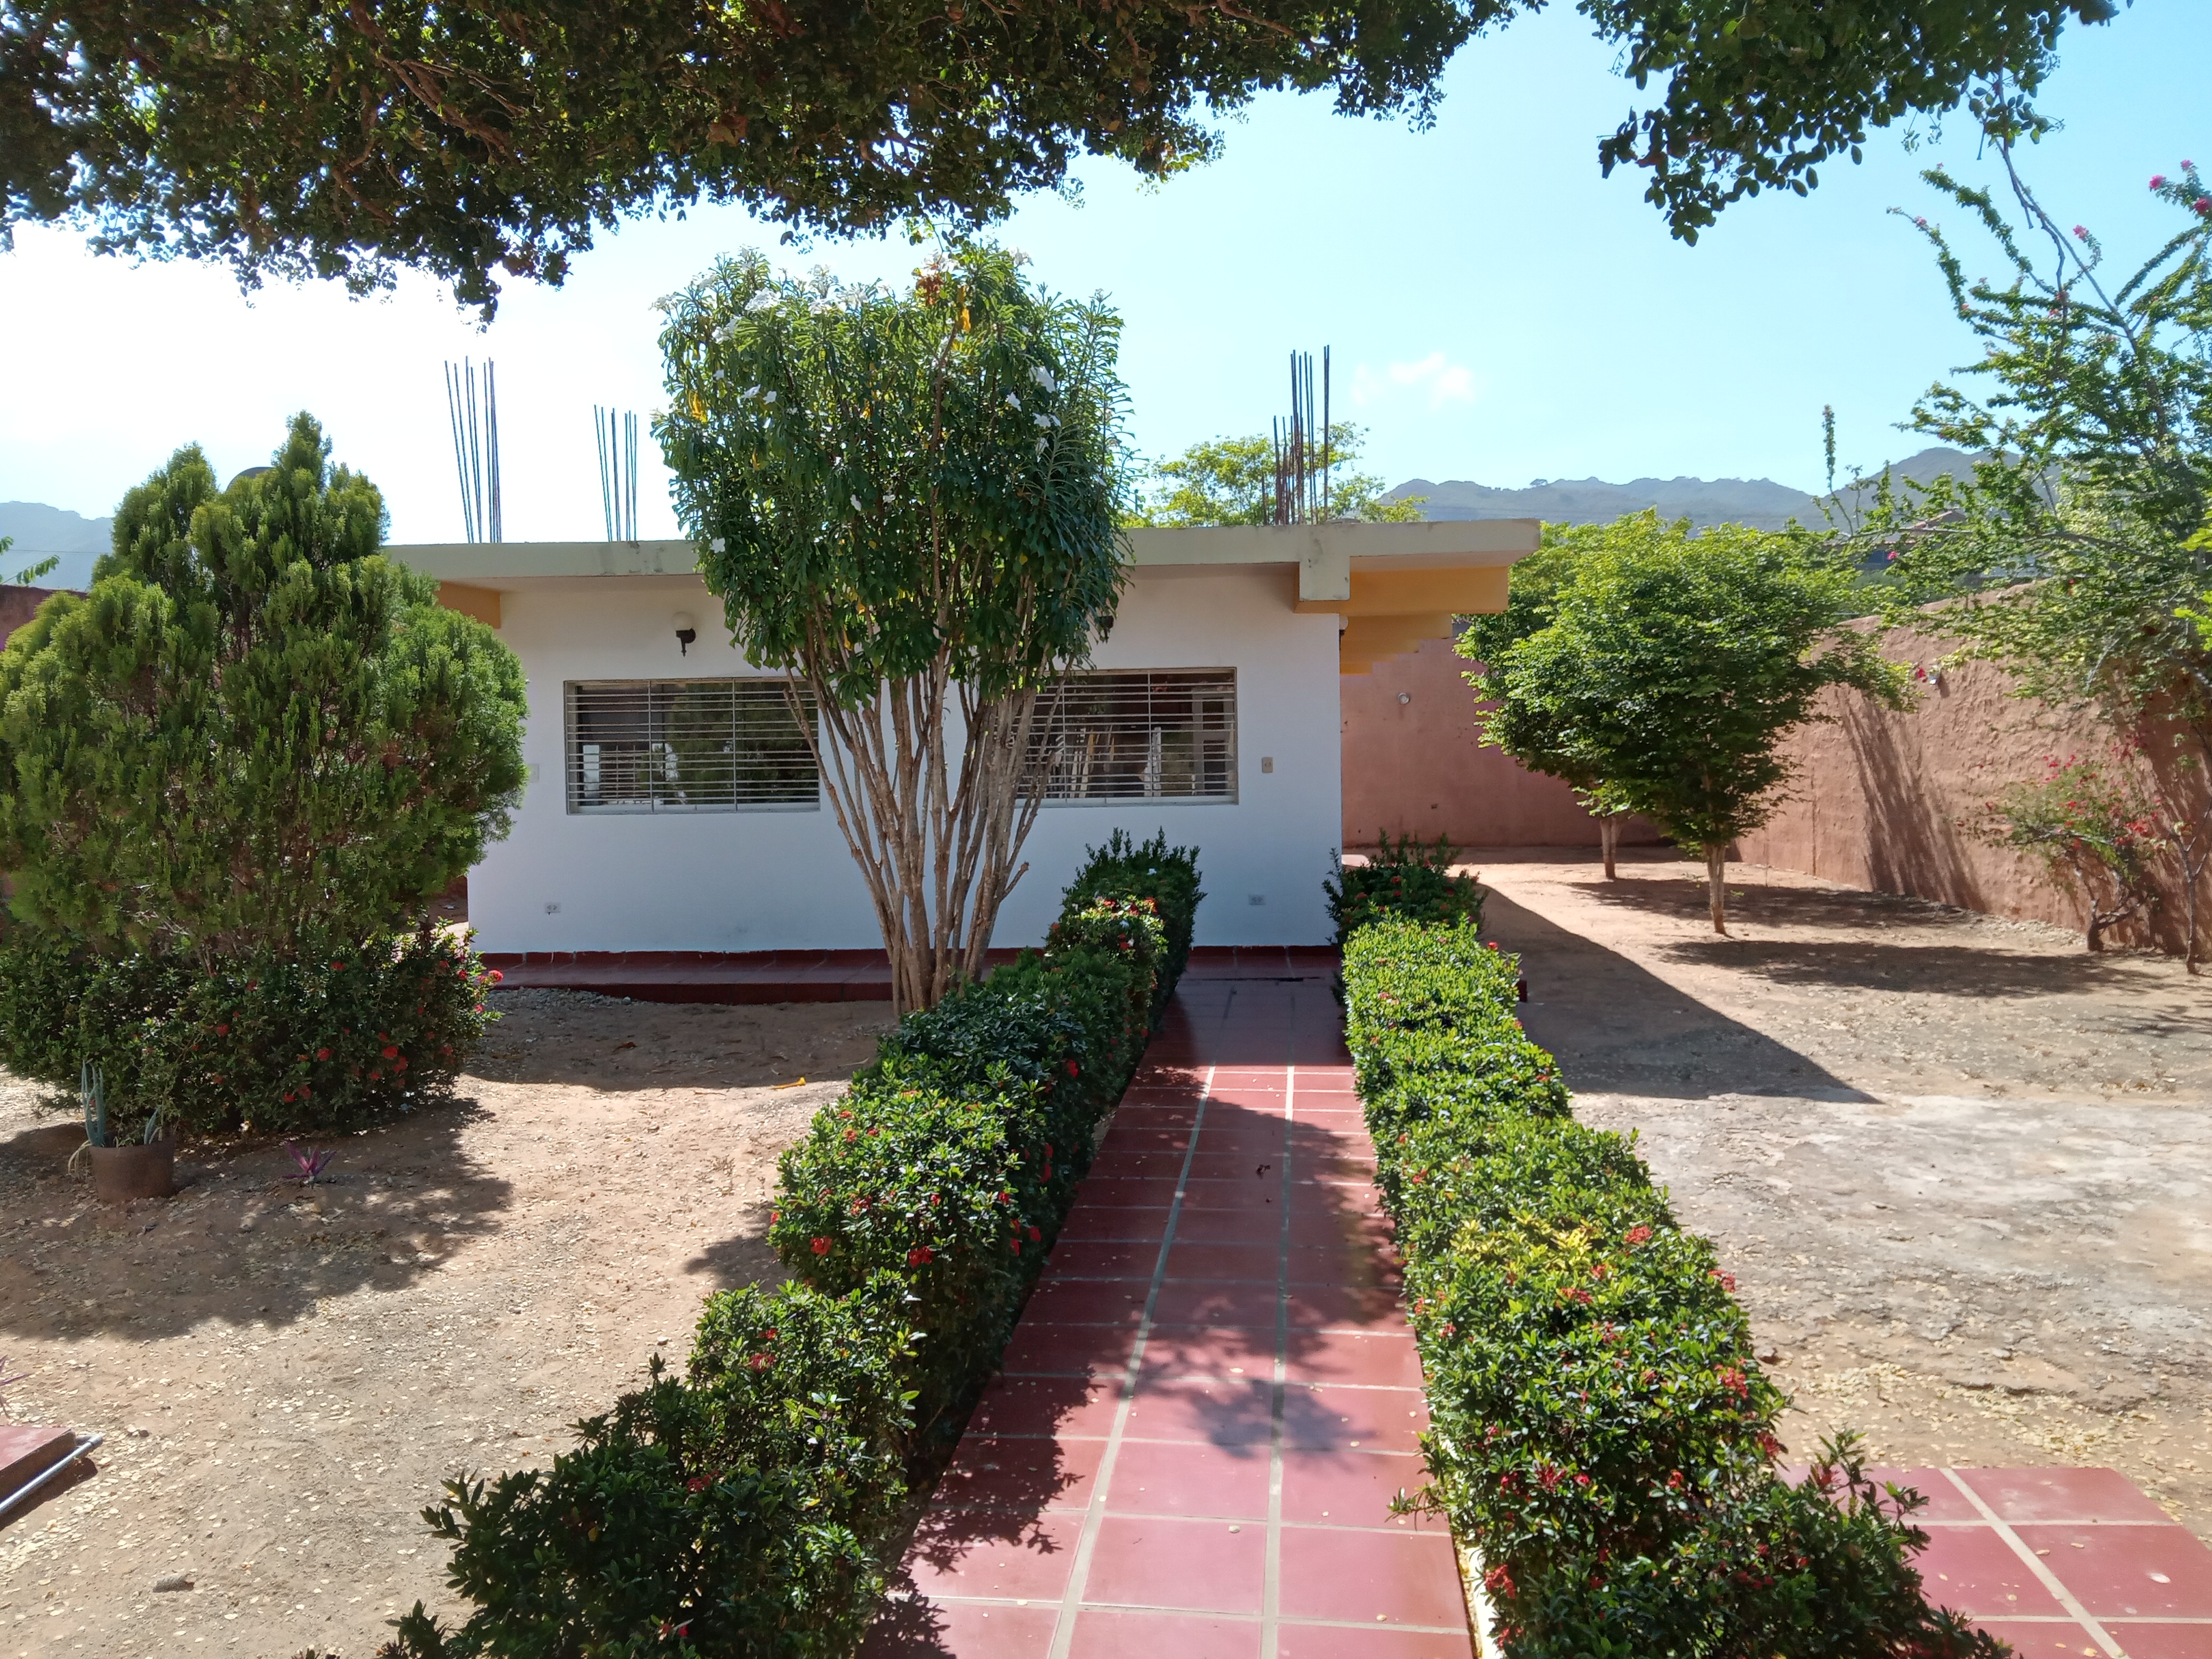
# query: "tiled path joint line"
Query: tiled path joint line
1094,1517
2050,1581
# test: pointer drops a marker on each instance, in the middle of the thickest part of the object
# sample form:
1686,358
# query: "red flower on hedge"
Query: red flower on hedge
494,976
1734,1380
1638,1236
391,1053
322,1054
336,968
1072,1070
1036,1238
821,1247
920,1256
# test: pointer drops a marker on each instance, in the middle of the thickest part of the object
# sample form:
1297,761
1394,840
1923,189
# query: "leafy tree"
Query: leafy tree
1532,592
2076,552
253,731
1232,481
467,141
1671,669
2085,825
908,503
30,573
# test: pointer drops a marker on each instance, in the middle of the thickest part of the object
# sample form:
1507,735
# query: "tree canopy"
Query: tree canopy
906,500
1671,667
1232,481
253,730
468,142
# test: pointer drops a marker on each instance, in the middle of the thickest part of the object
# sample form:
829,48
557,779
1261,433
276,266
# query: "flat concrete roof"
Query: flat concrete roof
1324,554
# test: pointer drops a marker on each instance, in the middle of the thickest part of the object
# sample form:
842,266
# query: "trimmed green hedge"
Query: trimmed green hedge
1599,1427
747,1508
1407,878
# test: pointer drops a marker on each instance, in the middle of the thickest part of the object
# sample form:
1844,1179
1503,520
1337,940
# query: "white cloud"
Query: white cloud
1444,382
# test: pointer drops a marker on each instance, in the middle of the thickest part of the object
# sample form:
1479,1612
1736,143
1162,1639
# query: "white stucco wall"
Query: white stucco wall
783,880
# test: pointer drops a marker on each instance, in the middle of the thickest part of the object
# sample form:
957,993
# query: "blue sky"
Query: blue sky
1497,311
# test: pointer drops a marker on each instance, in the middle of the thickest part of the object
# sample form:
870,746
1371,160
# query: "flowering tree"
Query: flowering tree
906,502
1671,668
2093,828
2078,550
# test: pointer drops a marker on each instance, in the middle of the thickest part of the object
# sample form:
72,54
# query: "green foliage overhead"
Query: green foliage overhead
1673,665
884,482
1232,481
253,731
470,140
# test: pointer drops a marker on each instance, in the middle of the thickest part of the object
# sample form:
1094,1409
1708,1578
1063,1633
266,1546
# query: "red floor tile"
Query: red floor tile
2157,1641
1972,1569
1047,1405
1370,1577
1154,1477
1346,1308
1099,1223
967,1559
1093,1258
1100,1351
1339,1264
1251,1263
1174,1350
1135,1163
1120,1633
1347,1488
1248,1194
1945,1501
1222,1302
1374,1361
1145,1192
936,1628
1377,1641
1118,1302
1198,1565
2054,1641
1031,1475
1222,1412
1353,1419
2127,1572
2062,1494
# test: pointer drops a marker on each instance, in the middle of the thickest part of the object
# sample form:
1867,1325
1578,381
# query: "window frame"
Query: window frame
573,744
1201,683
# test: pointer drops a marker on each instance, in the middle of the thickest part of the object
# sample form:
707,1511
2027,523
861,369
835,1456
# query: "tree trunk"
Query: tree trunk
1608,841
936,849
1717,884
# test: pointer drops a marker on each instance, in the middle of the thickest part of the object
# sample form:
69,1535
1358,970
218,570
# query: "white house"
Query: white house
673,805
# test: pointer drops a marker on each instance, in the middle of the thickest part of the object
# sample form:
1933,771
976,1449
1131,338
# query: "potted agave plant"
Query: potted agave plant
124,1166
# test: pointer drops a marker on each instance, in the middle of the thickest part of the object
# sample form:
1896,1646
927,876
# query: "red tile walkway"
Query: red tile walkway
1212,1394
2063,1561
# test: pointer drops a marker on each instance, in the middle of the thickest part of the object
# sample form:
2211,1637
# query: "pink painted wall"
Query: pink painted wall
1882,799
1416,766
18,604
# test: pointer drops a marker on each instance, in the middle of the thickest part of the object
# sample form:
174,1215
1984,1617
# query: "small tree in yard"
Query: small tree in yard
231,776
908,503
1232,481
1532,592
1672,667
2078,550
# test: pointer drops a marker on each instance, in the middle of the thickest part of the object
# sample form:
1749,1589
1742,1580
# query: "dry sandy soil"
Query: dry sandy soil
285,1375
1962,1170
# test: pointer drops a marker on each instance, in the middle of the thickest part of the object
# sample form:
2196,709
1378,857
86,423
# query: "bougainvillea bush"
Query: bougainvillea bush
1599,1429
334,1038
1408,878
749,1509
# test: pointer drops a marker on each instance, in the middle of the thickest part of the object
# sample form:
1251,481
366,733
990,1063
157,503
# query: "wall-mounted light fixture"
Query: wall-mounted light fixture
686,631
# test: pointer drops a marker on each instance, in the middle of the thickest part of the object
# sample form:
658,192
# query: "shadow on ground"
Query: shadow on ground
240,1241
1615,1027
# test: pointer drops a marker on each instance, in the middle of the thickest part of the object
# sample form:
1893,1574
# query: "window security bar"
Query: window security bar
1136,735
720,746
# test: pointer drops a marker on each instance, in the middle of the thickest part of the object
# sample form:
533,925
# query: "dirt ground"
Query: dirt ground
285,1375
1962,1170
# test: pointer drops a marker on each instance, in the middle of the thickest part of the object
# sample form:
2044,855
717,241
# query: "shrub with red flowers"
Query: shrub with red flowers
1600,1430
2093,828
1406,879
334,1038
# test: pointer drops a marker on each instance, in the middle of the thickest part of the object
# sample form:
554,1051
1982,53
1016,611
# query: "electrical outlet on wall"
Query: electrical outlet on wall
554,908
1256,898
1267,763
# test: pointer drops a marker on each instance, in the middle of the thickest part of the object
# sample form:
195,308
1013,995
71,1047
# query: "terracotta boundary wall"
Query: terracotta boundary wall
1881,800
1415,766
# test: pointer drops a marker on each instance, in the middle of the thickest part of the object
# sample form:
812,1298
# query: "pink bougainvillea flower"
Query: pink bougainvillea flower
2157,179
496,976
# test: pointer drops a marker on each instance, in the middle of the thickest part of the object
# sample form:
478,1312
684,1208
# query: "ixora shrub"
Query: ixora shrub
272,1045
255,747
1167,876
1406,879
747,1510
1599,1429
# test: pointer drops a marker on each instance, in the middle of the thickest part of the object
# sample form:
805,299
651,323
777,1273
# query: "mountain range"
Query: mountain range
1760,503
41,530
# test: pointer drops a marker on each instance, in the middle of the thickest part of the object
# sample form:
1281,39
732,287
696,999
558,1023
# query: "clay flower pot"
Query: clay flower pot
122,1173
